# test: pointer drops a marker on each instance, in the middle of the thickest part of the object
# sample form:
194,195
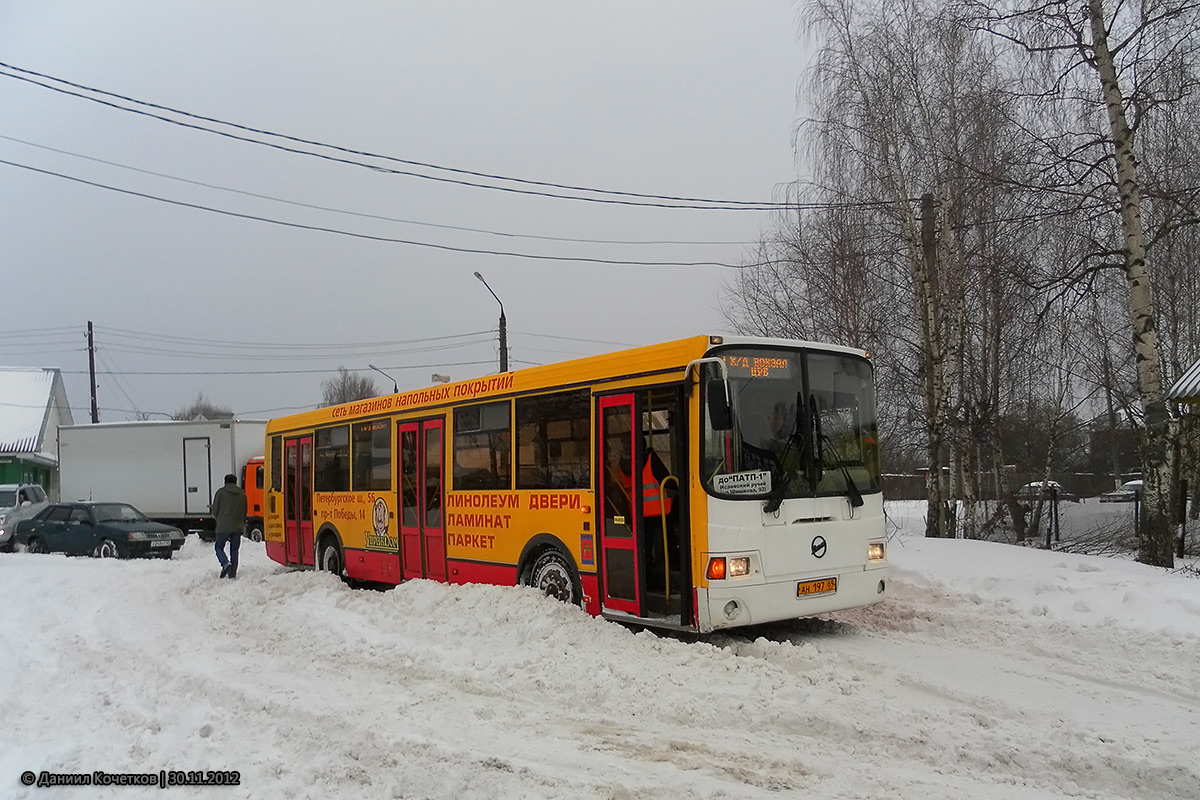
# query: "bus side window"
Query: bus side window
483,446
276,463
553,441
331,472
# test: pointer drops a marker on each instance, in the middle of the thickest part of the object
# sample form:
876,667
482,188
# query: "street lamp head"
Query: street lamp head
503,333
395,386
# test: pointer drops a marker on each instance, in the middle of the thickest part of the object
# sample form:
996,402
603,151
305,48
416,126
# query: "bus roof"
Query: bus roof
665,361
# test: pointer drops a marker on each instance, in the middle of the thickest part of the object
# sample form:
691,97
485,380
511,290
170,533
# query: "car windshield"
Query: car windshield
803,426
117,512
8,498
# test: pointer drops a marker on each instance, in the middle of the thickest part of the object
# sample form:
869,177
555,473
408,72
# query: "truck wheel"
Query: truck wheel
553,574
106,549
255,533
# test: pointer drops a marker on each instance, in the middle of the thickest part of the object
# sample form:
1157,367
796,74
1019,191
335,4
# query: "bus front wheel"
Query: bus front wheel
554,575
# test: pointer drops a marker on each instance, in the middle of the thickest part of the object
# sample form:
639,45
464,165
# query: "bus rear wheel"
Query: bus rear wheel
554,575
331,558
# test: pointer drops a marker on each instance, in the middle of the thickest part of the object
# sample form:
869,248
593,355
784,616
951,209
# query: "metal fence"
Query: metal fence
1079,484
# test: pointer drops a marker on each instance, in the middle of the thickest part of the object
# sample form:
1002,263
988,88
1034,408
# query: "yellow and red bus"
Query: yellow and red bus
700,484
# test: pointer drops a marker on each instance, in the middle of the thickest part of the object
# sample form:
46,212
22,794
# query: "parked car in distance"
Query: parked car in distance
104,530
18,501
1044,490
1126,493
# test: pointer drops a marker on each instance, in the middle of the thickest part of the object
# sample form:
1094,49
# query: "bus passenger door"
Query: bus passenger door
297,501
422,483
620,497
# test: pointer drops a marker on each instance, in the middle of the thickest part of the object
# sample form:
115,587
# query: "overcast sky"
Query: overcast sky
687,99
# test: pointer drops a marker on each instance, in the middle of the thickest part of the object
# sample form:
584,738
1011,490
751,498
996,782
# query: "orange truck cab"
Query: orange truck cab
252,485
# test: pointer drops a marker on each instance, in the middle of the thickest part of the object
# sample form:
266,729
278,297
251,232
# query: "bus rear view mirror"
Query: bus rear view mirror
720,416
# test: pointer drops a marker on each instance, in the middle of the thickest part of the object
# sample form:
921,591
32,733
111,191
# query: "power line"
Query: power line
434,365
159,337
26,333
379,217
125,340
39,351
663,201
181,354
118,382
371,237
573,339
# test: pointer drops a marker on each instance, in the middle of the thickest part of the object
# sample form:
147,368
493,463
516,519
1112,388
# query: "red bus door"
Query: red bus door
297,501
620,502
422,490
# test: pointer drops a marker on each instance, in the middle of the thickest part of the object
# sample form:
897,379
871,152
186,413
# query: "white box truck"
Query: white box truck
167,469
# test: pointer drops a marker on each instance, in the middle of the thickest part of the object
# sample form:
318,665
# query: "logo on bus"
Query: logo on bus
379,516
819,546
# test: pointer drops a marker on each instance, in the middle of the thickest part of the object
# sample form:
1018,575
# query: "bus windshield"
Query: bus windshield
803,426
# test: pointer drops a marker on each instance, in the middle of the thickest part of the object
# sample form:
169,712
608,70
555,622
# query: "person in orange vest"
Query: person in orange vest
653,472
654,506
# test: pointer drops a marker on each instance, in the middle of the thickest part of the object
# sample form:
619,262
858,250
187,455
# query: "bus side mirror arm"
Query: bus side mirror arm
720,415
720,412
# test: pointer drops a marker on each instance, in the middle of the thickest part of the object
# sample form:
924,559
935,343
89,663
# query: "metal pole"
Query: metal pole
503,341
1057,531
503,327
1183,508
395,386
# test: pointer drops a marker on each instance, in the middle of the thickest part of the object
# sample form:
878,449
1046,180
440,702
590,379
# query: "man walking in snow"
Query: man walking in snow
229,511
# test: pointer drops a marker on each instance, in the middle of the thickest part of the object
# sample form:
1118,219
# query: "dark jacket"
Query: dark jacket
229,509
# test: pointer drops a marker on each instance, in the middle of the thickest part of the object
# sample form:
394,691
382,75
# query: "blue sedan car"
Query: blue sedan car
103,530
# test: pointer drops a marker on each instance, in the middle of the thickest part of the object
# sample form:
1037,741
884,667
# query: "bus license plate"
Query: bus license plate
822,586
160,544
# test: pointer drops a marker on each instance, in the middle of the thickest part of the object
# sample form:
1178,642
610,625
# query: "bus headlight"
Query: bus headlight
716,569
739,566
876,551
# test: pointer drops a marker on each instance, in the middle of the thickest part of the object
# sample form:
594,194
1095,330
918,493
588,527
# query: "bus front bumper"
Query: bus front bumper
730,604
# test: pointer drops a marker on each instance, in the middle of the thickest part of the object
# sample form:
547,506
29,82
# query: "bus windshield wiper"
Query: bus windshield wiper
853,493
780,482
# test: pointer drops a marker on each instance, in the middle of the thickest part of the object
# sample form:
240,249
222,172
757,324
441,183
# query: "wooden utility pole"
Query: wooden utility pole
92,372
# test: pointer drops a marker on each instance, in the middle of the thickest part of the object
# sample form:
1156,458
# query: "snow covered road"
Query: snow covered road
991,672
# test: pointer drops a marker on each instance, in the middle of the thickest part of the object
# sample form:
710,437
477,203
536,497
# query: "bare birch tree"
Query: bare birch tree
1127,53
906,105
347,387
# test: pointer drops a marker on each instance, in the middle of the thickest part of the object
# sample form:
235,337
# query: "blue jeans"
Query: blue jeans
235,541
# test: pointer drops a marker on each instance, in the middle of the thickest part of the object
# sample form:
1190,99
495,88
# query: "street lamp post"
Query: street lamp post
395,386
503,327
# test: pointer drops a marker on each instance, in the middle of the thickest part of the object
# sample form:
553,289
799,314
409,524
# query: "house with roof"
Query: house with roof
33,403
1186,390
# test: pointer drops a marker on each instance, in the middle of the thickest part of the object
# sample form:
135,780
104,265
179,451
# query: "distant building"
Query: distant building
1186,390
33,403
